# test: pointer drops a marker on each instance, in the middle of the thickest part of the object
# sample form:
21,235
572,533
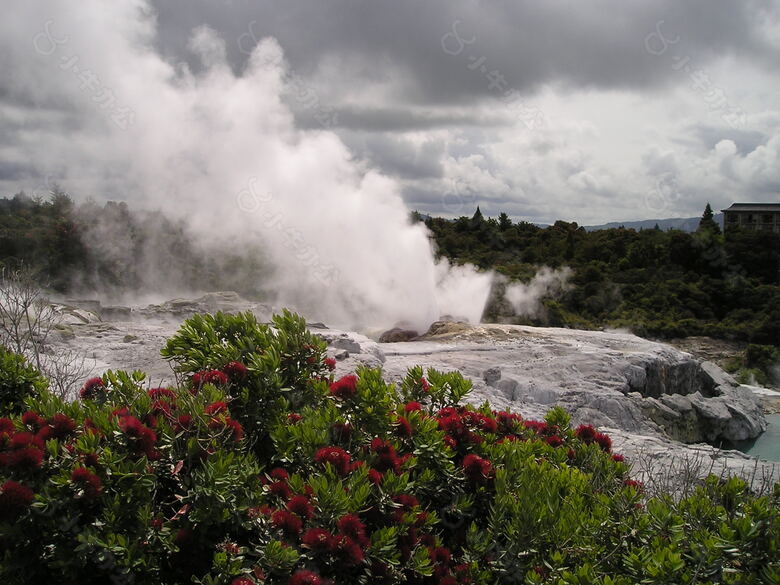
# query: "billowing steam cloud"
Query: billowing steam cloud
526,298
221,149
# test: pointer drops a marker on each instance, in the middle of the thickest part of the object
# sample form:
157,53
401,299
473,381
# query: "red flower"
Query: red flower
236,428
453,425
554,441
15,498
92,388
183,423
586,433
440,556
197,379
425,385
387,458
336,456
281,489
319,540
303,577
242,581
22,440
293,418
164,408
330,363
26,451
375,476
216,377
236,371
352,526
508,421
33,419
142,438
604,442
412,406
345,387
618,458
92,459
25,458
537,426
62,426
158,393
300,505
88,481
279,474
403,427
476,468
216,408
6,425
634,484
225,422
287,522
351,552
488,424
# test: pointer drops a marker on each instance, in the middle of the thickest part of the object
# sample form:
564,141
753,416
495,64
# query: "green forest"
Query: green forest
111,249
661,284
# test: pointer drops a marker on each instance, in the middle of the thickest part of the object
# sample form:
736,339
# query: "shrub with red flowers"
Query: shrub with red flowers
263,469
345,387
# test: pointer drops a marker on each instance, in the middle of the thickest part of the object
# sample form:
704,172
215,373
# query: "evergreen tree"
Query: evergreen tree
707,222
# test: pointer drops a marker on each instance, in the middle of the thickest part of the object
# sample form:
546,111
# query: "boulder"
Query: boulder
396,334
492,375
347,344
444,327
715,381
508,387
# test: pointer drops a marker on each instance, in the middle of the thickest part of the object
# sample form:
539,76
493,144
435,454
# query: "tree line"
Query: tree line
657,283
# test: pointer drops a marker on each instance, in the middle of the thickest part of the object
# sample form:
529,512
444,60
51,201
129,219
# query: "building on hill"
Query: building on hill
752,216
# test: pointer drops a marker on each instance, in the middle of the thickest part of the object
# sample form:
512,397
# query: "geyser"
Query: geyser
222,150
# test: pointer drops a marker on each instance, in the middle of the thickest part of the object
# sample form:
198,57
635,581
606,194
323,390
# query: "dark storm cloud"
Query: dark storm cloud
394,119
398,157
12,171
590,44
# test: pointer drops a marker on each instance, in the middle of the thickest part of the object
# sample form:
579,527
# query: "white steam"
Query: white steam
221,149
526,298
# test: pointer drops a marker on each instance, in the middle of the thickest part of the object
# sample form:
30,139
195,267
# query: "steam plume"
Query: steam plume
221,149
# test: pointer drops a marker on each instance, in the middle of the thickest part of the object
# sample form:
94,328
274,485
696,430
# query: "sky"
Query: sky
609,110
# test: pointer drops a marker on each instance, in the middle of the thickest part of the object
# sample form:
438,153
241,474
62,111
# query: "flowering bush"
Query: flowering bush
263,468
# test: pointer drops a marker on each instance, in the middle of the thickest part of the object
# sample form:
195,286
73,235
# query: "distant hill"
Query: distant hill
685,224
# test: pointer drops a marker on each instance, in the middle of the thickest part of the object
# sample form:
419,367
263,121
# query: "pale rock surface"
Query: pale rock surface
648,395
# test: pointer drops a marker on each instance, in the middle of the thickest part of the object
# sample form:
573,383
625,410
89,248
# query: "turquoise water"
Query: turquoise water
767,446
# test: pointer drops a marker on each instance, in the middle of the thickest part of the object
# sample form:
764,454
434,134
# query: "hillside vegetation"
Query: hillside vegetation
656,283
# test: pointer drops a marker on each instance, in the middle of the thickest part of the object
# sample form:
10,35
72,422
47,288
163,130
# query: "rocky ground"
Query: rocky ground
659,403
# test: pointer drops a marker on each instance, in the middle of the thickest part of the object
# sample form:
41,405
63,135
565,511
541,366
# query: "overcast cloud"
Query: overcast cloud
607,123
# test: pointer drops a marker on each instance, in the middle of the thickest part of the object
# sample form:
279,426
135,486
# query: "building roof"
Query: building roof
759,207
